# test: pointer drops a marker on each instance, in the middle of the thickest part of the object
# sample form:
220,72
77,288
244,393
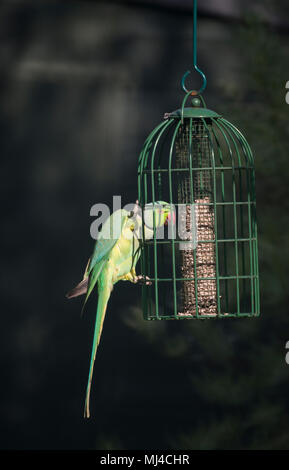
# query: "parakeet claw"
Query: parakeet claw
143,280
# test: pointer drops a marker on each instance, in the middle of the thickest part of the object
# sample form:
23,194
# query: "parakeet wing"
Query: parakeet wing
108,236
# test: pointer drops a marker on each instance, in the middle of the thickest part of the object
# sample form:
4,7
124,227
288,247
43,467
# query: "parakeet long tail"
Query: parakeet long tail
103,297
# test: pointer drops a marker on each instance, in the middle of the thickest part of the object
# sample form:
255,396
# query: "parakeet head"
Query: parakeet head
166,211
158,214
152,217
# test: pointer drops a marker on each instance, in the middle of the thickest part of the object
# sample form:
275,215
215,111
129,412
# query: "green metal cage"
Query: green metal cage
199,162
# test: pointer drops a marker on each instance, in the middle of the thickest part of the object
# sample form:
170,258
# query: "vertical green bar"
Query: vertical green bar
229,130
156,282
239,137
223,213
252,232
143,199
193,208
215,214
172,146
224,131
240,206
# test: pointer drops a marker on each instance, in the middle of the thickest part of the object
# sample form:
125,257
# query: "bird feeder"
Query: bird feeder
202,165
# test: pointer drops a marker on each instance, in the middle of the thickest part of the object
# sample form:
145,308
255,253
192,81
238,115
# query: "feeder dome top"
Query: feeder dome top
195,112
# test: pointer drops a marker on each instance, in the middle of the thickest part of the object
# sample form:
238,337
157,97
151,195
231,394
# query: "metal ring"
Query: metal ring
203,77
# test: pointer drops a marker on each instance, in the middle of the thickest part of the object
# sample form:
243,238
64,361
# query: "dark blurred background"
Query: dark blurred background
82,84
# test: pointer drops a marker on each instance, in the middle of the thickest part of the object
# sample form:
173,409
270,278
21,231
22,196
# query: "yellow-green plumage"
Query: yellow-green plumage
115,255
117,265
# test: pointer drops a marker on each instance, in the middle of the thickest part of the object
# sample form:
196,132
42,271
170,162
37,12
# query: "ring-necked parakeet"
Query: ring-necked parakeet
114,258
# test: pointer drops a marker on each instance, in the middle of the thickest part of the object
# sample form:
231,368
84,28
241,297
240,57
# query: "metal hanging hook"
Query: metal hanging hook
203,85
194,56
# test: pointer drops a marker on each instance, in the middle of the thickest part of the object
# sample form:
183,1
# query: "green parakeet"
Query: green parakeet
114,258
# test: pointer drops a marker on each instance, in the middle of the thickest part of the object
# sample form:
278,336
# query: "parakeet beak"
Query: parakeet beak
171,218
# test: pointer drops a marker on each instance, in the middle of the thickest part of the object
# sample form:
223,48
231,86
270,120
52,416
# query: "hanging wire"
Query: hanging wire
194,57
